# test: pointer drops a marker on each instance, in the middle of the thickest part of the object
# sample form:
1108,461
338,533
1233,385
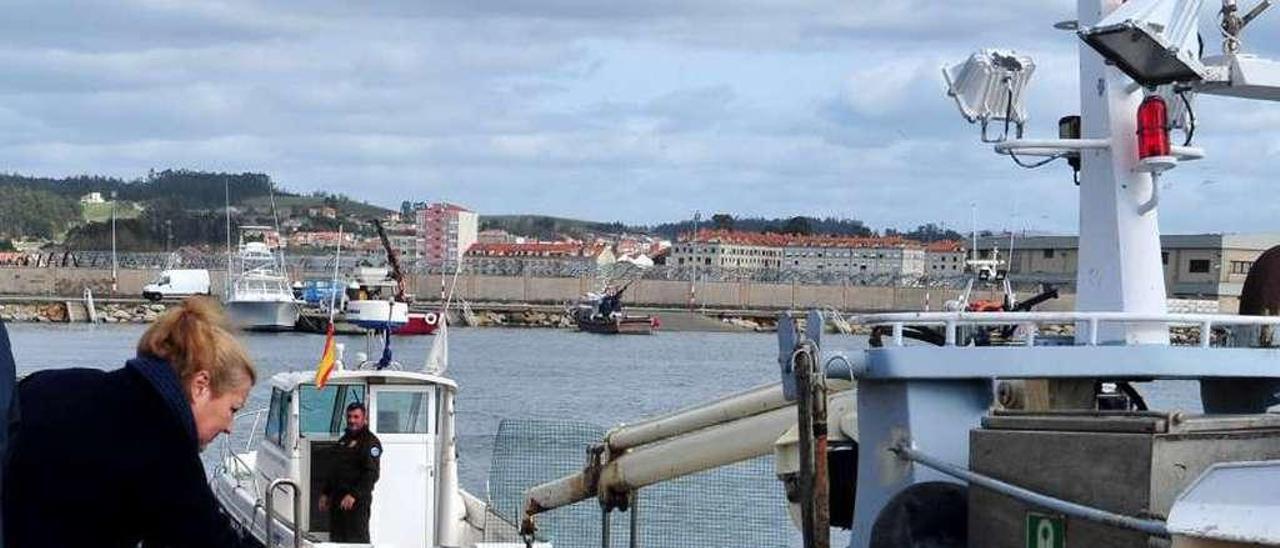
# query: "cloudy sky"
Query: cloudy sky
639,111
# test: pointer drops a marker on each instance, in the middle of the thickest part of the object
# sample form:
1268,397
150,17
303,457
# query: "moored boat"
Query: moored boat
272,488
259,297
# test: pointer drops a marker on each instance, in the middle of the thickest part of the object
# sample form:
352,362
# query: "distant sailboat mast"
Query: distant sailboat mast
226,187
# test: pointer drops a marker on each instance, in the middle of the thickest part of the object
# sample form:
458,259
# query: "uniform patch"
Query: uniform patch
375,451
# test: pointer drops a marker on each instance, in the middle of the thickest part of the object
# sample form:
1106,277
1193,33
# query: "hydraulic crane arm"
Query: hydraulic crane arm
393,260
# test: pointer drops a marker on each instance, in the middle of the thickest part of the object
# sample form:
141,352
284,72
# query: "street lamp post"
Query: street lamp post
693,242
114,263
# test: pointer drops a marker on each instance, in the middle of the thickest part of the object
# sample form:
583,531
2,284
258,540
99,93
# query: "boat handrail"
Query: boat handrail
227,455
1091,322
257,415
297,509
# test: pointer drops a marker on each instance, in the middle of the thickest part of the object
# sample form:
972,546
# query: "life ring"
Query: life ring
431,318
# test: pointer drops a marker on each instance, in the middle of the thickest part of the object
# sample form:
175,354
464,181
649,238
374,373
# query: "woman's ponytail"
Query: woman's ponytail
194,337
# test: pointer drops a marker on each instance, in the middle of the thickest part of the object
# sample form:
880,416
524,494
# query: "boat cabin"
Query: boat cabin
299,433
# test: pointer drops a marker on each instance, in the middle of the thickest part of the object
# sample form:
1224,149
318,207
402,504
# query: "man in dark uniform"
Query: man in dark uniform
348,493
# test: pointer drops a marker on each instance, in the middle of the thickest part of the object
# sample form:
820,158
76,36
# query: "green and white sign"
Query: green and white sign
1045,531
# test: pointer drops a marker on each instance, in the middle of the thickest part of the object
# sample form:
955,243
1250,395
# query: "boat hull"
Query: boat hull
420,324
263,315
627,325
377,315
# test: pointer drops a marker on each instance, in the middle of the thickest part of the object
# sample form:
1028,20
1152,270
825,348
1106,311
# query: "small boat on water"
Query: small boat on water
272,488
374,302
600,311
259,297
603,314
365,303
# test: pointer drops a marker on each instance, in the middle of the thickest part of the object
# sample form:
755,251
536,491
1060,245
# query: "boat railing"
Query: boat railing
297,509
1089,324
234,462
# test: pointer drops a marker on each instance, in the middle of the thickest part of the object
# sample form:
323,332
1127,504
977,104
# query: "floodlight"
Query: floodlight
989,87
1153,41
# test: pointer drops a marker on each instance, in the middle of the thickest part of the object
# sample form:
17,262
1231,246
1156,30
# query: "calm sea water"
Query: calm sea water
501,373
512,373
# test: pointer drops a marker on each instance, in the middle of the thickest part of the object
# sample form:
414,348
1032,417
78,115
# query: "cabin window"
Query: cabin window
402,412
1198,266
276,416
324,411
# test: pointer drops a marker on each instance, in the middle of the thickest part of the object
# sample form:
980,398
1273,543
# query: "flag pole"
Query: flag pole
333,295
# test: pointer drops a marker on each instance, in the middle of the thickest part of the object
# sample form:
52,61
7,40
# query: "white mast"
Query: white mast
1119,266
226,188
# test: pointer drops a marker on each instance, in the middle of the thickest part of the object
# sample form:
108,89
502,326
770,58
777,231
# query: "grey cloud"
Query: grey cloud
500,105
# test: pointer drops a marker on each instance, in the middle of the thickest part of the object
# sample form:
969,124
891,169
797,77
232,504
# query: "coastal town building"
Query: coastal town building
407,244
324,212
498,236
1195,265
944,258
730,249
874,256
323,239
566,257
751,250
445,232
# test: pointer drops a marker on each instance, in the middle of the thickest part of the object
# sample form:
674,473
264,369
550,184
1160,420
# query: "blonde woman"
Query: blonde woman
112,458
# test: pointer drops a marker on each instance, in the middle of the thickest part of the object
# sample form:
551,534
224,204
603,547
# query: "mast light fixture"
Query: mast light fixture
989,87
1155,42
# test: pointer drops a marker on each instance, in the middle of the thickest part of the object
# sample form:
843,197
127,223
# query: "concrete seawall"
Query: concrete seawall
70,282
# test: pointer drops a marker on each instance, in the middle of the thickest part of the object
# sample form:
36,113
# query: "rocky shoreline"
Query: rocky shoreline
57,312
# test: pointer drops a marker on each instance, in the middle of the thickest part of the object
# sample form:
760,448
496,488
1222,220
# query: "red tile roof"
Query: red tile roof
534,249
795,240
944,246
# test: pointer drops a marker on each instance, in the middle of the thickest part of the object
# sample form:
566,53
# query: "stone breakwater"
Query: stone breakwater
58,313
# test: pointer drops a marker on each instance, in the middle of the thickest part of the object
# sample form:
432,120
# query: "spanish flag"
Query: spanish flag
327,359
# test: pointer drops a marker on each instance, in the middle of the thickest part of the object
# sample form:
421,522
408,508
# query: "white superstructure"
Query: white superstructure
259,296
416,501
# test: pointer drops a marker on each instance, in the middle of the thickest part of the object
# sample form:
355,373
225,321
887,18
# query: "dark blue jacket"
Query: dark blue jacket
8,377
109,458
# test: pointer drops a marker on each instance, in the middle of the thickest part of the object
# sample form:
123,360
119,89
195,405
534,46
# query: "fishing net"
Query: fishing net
738,505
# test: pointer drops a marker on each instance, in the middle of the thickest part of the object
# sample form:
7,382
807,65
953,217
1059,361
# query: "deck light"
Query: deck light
1153,41
989,87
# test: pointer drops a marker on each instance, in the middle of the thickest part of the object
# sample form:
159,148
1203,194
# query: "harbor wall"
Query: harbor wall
746,295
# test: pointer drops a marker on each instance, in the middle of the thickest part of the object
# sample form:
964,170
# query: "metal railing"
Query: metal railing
297,510
227,455
1090,322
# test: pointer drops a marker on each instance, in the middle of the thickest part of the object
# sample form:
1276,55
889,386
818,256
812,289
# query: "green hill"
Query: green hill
101,213
27,212
187,206
545,227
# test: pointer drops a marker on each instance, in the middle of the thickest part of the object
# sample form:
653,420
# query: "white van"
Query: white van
177,283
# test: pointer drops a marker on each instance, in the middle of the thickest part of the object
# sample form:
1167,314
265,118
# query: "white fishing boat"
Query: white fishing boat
920,452
259,296
374,301
272,487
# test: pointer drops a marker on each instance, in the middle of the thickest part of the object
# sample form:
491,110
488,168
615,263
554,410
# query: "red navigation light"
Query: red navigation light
1153,128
